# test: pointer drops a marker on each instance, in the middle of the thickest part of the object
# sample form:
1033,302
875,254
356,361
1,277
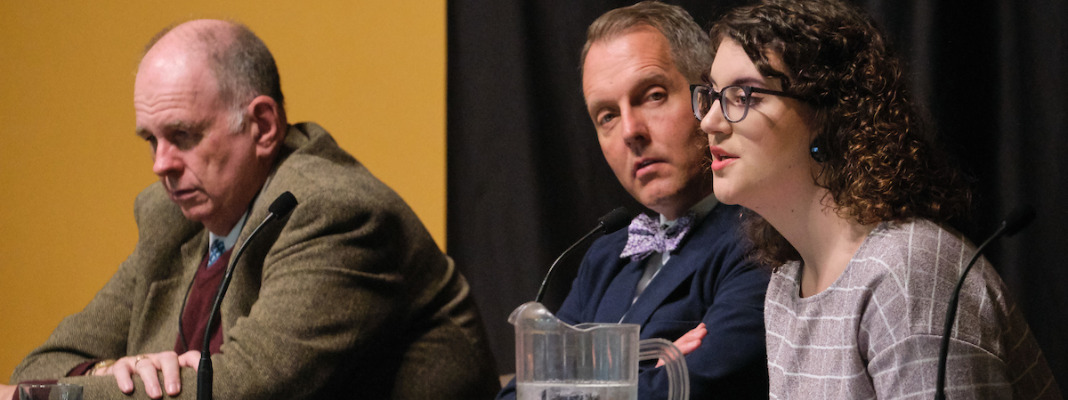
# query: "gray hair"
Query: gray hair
690,47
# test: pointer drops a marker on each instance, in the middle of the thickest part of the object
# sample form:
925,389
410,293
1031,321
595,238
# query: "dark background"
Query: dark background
526,176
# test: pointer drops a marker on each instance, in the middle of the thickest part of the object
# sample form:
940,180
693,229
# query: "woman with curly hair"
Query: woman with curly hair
811,128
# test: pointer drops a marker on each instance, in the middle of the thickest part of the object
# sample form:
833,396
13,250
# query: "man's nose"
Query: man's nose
635,128
165,160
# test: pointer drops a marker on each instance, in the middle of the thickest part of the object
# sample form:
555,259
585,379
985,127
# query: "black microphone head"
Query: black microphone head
615,220
283,204
1018,219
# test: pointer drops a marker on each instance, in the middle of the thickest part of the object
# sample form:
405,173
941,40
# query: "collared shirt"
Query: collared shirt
230,239
656,261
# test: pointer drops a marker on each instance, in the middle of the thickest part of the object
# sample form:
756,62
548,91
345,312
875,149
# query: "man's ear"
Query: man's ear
266,125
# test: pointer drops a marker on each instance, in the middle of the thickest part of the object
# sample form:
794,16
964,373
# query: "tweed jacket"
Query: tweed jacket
347,297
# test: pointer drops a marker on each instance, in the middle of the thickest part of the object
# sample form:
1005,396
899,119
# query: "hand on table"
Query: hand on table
689,342
145,366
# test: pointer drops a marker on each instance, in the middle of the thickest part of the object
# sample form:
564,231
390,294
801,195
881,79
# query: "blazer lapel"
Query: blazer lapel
681,266
673,274
193,253
162,303
245,283
248,270
618,295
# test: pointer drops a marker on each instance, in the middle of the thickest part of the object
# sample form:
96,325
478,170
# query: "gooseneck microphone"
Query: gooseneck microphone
1017,220
278,209
609,223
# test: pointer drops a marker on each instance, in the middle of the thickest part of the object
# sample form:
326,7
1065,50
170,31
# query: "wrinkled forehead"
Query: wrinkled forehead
183,53
640,49
167,69
173,92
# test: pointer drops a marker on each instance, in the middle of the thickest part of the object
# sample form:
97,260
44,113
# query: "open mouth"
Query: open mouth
720,155
642,164
721,158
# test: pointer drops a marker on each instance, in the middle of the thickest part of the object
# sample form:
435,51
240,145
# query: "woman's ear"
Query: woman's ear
817,150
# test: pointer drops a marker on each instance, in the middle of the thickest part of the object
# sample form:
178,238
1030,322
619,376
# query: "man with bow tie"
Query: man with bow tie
686,266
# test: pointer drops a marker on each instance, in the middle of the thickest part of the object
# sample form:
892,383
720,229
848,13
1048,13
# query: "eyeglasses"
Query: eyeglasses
733,100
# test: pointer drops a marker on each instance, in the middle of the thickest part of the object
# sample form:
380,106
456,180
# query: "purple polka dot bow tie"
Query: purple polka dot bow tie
645,236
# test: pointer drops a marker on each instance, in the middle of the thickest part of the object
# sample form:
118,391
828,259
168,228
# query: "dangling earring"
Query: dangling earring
817,151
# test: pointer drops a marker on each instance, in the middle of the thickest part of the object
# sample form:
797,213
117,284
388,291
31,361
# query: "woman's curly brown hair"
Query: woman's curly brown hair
879,165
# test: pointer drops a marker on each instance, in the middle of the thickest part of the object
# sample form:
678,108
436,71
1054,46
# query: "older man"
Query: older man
686,266
347,297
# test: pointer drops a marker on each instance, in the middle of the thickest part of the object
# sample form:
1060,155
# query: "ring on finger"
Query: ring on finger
137,360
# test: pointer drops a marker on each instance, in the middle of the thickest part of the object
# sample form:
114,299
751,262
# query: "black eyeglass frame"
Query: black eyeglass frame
713,95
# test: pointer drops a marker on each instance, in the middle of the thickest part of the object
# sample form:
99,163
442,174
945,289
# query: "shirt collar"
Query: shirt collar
230,239
700,210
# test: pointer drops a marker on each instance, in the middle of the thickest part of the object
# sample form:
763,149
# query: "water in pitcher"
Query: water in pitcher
577,391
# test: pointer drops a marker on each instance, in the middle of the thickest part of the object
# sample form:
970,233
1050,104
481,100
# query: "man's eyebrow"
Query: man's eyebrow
593,108
642,84
183,125
651,79
179,125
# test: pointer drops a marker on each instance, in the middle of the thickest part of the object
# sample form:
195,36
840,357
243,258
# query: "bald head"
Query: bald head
240,62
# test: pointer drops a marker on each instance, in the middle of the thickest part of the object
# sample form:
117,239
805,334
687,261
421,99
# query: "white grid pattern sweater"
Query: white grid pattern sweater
875,332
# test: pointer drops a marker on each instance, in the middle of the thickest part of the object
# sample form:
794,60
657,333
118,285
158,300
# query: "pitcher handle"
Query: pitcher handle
674,365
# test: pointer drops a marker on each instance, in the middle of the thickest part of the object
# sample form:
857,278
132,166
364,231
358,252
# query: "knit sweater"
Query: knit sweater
876,331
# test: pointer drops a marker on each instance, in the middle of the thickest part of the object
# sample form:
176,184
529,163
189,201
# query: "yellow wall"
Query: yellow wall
370,71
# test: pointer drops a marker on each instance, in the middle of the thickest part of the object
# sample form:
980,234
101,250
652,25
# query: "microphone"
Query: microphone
1017,220
609,223
278,209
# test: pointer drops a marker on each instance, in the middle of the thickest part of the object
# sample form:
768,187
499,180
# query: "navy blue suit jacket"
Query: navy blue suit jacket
707,279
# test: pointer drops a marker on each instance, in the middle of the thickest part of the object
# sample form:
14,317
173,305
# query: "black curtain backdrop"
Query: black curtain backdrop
526,176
